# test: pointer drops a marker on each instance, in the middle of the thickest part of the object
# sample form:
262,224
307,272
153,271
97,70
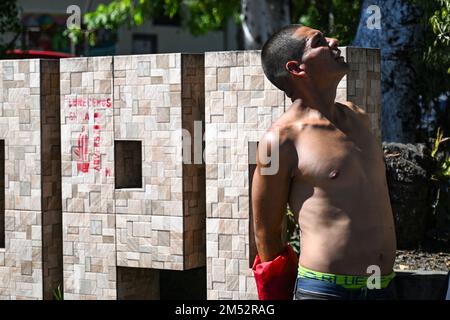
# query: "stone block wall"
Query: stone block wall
52,258
362,85
30,262
194,188
88,182
240,105
155,97
2,195
160,223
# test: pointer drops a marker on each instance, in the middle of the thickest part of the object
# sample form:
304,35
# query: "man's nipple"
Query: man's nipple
333,174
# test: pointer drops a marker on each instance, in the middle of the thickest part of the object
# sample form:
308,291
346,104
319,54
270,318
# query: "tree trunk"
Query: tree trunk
262,18
397,38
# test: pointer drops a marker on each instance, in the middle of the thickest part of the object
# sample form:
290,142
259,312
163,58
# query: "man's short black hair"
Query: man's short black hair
279,49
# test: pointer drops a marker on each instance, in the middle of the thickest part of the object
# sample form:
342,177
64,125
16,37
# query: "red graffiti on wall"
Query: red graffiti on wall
97,140
72,116
82,151
82,148
90,102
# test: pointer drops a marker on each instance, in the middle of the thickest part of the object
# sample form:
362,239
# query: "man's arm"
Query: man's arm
270,194
275,266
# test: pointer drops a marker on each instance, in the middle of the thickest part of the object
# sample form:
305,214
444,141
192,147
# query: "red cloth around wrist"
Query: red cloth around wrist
275,280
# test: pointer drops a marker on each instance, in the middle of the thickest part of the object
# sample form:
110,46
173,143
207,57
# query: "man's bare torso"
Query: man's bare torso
339,192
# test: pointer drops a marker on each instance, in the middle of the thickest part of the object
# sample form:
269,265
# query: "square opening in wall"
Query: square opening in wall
128,164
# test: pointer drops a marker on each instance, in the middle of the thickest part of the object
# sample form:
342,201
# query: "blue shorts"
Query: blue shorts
314,289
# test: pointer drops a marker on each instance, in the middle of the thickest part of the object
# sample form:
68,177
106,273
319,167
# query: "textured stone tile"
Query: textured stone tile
146,104
30,120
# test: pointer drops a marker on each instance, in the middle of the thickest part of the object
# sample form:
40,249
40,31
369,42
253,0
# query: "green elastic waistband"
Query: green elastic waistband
346,281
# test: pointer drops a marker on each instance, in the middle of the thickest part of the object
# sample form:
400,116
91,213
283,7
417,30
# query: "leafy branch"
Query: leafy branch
293,231
440,22
9,24
58,293
443,171
199,16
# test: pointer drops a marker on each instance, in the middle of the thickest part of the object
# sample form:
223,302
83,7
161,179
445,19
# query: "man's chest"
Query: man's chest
328,156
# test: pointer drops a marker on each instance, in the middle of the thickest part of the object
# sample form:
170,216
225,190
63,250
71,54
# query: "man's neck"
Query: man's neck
320,99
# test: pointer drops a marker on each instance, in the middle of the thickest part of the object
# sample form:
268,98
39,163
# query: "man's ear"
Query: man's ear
294,68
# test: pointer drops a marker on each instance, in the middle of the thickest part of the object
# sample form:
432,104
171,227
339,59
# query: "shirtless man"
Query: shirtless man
331,173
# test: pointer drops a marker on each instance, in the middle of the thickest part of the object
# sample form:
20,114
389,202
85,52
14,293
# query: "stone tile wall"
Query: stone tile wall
156,96
161,225
194,189
88,178
52,254
362,85
30,263
240,104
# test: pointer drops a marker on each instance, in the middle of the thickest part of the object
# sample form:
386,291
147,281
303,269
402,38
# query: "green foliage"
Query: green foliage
208,15
336,18
442,156
436,39
199,16
58,294
9,23
438,142
441,178
293,231
432,59
440,22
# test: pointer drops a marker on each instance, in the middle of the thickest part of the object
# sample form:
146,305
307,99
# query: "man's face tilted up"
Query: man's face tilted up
320,63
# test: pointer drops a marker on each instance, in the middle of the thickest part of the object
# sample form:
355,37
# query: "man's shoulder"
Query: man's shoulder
279,133
353,107
278,138
360,113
